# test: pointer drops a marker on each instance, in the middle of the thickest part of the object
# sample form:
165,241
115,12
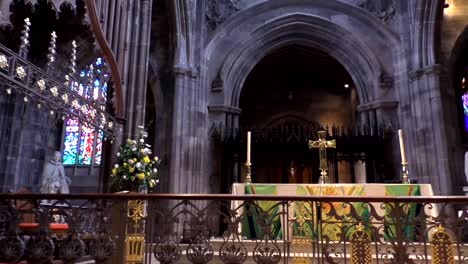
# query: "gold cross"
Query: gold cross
322,144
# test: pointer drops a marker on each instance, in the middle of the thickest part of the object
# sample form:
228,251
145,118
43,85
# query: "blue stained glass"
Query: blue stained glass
81,89
71,142
97,85
465,110
86,145
88,138
465,104
98,152
104,91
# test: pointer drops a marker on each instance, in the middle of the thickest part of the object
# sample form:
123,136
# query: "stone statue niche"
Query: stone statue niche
53,176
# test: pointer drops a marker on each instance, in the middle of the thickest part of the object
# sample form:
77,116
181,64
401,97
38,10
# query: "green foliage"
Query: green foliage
134,166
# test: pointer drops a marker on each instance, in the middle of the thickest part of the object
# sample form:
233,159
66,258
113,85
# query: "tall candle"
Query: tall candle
248,146
402,146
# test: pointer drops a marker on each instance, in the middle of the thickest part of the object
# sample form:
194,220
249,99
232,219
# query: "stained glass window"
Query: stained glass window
82,142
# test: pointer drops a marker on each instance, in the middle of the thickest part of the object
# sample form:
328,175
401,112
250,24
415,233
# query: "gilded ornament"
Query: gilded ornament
103,119
3,62
21,72
92,113
41,84
360,246
54,91
83,108
75,104
442,247
322,144
65,98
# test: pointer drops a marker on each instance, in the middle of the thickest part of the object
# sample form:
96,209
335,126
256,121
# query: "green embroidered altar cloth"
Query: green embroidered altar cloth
267,218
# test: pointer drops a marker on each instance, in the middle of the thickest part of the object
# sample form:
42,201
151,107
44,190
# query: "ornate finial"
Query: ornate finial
51,55
72,73
73,58
25,38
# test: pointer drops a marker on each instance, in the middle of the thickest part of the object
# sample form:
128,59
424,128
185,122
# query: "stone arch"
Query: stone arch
253,33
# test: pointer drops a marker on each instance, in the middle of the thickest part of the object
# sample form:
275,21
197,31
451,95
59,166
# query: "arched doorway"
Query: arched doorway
290,94
238,46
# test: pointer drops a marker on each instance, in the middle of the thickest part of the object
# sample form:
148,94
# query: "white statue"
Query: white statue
53,176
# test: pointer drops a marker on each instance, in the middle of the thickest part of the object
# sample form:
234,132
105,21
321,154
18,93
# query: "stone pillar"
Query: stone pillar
430,160
136,63
189,135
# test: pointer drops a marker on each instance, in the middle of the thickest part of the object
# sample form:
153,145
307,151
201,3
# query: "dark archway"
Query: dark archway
292,90
459,82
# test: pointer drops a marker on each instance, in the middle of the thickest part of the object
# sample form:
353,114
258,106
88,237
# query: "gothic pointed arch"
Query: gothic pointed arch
304,24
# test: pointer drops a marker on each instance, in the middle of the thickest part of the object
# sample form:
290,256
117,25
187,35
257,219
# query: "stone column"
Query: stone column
189,134
136,63
430,157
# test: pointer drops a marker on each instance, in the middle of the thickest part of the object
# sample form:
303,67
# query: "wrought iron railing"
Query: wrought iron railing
170,228
19,75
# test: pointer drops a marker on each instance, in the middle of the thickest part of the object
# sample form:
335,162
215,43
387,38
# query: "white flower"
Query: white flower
134,149
138,165
124,177
118,154
130,161
116,166
157,181
142,140
155,170
156,158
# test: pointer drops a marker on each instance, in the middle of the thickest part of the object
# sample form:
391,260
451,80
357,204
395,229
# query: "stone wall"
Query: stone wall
29,136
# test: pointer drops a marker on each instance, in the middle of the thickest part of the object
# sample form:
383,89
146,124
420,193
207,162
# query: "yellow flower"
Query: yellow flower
132,169
114,171
125,164
134,159
146,159
141,176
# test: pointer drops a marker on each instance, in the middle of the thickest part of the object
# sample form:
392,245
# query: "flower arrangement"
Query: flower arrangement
135,169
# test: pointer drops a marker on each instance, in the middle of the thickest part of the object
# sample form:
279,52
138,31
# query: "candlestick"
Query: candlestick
248,146
402,146
248,173
404,163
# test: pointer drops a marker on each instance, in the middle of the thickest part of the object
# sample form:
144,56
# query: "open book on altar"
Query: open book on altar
304,218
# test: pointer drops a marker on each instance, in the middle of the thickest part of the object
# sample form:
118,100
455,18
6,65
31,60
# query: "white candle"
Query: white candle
248,146
402,146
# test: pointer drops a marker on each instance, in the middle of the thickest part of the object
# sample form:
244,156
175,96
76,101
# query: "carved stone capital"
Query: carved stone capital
224,109
383,105
435,69
182,70
416,74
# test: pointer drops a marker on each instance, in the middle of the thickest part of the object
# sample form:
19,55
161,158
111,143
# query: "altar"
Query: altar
329,218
